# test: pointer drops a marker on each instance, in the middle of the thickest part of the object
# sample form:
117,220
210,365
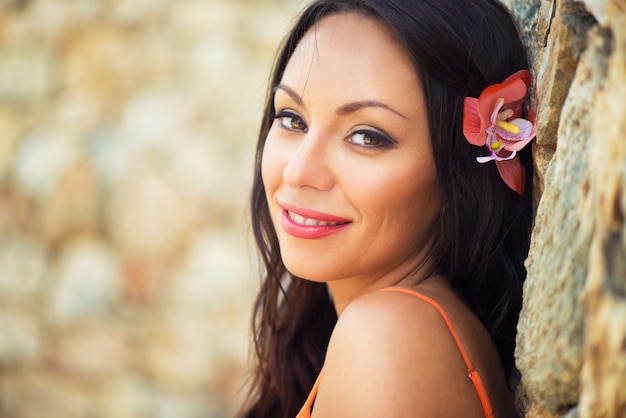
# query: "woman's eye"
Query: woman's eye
291,121
371,139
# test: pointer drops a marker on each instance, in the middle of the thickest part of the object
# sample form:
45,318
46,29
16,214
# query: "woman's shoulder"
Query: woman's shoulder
391,315
391,353
407,315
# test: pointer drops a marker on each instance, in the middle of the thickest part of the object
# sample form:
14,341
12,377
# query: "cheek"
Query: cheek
271,166
410,201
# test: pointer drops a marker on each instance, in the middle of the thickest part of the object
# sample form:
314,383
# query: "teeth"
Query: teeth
310,222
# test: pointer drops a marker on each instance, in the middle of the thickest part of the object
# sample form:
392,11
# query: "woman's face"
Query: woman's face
347,166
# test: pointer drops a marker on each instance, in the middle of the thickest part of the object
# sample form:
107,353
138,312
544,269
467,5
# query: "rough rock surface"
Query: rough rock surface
572,329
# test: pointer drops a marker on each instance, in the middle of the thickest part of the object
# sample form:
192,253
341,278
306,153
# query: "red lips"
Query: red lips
310,224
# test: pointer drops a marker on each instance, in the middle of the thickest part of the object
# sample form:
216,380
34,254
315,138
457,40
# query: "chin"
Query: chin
308,271
306,274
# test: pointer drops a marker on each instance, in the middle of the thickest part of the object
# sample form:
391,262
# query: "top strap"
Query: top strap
305,411
472,373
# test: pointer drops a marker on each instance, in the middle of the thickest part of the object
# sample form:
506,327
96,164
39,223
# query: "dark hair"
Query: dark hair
459,47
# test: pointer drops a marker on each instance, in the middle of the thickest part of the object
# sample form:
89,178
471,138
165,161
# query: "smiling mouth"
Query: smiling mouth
301,220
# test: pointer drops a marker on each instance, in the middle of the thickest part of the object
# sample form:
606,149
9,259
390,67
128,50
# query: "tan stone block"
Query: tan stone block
528,14
544,20
152,213
608,156
527,408
604,362
108,63
542,156
536,411
20,340
29,71
83,283
91,350
18,212
23,265
10,134
556,64
39,392
599,10
178,353
550,330
604,369
73,206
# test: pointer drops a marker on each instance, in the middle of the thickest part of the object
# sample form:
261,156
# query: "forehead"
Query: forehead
351,54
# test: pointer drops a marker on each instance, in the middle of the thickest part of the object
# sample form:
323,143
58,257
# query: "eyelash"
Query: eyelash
286,114
383,140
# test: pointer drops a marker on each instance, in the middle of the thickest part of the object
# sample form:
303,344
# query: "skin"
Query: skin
390,354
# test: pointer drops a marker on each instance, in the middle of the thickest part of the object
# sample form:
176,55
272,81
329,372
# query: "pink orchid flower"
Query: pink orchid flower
494,121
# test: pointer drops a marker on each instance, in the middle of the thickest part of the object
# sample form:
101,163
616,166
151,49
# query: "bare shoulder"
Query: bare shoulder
393,355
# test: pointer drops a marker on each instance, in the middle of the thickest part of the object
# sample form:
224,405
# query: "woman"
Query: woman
392,241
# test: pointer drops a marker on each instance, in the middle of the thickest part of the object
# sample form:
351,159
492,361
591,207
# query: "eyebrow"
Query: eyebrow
345,109
290,92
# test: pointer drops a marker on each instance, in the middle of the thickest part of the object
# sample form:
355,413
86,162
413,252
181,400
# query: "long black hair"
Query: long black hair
458,48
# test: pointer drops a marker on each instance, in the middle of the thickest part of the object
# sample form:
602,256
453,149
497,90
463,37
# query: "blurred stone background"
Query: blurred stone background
127,133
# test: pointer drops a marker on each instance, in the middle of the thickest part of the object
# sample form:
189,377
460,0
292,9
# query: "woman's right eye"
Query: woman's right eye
291,121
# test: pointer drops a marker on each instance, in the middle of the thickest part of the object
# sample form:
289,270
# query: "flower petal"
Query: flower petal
496,111
523,75
506,114
512,92
526,127
486,158
514,142
513,174
517,110
473,126
493,156
515,145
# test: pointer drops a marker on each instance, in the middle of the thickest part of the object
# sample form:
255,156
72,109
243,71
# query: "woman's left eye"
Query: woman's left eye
371,139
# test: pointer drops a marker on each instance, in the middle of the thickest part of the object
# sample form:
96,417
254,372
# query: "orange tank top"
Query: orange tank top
473,375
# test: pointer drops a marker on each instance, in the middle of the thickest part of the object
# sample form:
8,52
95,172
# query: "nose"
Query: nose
309,165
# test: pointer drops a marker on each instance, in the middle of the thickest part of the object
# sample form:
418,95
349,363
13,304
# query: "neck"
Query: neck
409,276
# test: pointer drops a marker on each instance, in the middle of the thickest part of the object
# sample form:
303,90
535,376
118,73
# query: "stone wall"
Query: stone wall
571,346
127,132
